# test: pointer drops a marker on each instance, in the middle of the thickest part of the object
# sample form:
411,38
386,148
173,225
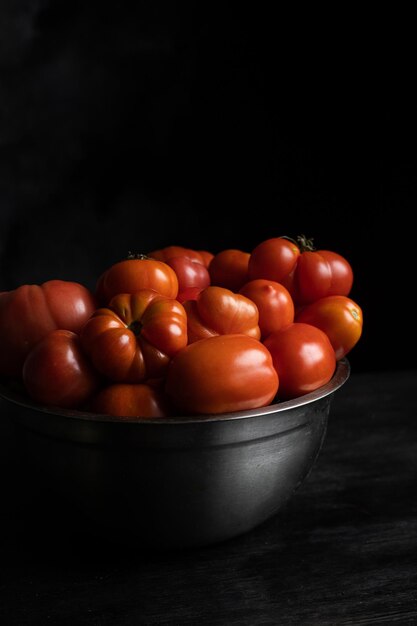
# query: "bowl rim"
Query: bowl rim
339,378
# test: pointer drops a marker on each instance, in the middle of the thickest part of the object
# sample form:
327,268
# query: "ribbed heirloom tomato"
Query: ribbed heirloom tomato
134,273
30,312
135,337
129,400
218,311
221,374
56,371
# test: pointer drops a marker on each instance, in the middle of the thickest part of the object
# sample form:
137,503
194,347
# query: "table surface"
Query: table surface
344,550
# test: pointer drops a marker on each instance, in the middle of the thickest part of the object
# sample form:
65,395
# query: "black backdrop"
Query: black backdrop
130,129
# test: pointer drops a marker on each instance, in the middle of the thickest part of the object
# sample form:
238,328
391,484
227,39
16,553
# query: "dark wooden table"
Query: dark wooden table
343,552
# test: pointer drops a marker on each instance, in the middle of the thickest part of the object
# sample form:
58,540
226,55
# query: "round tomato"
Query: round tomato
229,269
303,357
222,374
273,259
339,317
30,312
126,401
135,337
56,372
189,294
274,303
190,274
341,272
218,311
135,273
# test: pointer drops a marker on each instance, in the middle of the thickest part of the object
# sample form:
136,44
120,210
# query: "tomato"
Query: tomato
303,357
229,269
135,273
170,252
56,372
273,259
221,374
126,400
341,272
30,312
219,311
307,274
136,336
339,317
274,303
189,294
190,274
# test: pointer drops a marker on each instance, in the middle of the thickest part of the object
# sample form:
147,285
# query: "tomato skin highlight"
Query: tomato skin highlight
190,274
273,259
221,374
30,312
337,316
303,357
134,338
126,401
274,303
229,269
219,311
133,274
56,371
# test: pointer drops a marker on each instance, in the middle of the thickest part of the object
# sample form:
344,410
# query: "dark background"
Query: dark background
130,129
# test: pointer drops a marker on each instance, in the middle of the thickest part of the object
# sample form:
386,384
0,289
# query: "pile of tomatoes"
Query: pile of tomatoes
184,332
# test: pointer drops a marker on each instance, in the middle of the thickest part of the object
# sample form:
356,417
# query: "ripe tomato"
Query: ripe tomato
135,273
339,317
221,374
274,303
303,357
198,256
126,401
56,372
189,294
307,274
273,259
135,337
190,274
229,269
218,311
30,312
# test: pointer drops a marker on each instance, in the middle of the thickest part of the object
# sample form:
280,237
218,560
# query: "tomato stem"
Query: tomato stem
305,244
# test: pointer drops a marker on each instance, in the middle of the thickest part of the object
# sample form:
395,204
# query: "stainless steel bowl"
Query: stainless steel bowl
174,482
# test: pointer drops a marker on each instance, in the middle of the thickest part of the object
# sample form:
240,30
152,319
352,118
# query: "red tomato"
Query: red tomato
135,273
126,401
341,271
30,312
303,357
219,311
56,372
307,274
206,256
189,294
221,374
273,259
135,337
173,251
229,269
274,303
190,274
339,317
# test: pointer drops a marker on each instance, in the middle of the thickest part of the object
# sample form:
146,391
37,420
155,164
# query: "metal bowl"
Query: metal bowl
179,481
